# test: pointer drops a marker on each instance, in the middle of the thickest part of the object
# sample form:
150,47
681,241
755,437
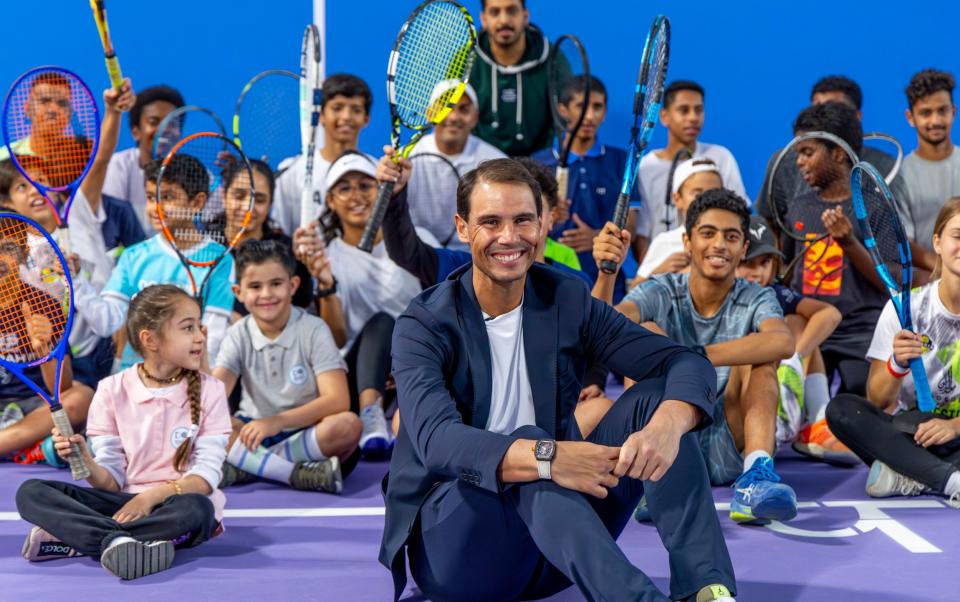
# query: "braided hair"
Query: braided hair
150,310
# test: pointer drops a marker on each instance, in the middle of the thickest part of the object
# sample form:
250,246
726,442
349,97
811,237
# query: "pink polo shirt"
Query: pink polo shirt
151,427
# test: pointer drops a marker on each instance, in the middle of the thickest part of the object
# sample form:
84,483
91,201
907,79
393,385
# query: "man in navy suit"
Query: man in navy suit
500,487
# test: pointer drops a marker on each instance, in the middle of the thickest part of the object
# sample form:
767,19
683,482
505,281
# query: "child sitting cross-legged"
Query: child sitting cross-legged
294,425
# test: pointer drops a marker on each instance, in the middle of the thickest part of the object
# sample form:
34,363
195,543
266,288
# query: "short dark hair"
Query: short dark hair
544,177
496,171
841,84
258,252
670,92
718,198
577,84
837,118
346,84
151,95
927,82
483,4
183,170
256,165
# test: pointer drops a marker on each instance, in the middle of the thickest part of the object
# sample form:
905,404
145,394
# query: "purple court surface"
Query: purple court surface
283,545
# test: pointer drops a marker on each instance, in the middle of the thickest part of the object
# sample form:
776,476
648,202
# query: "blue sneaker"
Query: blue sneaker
50,455
642,513
759,496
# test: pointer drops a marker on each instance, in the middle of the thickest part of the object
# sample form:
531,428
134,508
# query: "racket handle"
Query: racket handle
563,179
78,468
620,220
61,236
376,217
113,68
921,386
306,206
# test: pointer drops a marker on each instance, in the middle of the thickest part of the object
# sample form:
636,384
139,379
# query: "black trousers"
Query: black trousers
875,435
81,516
368,360
535,539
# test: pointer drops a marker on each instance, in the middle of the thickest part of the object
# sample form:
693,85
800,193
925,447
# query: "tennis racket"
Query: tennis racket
432,194
35,322
175,126
647,100
311,97
669,211
568,60
265,119
889,247
52,129
109,54
889,146
434,48
200,221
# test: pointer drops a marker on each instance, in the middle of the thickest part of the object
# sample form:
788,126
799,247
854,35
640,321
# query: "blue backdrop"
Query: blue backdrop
756,59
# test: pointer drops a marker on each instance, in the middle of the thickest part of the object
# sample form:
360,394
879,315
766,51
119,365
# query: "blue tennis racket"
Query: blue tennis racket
36,314
889,247
647,100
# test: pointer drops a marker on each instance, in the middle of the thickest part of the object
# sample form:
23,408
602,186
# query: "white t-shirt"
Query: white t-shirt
124,181
431,193
653,186
511,398
368,283
96,265
664,245
285,211
941,362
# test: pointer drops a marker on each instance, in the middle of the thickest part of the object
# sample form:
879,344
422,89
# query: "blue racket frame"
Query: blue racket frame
899,291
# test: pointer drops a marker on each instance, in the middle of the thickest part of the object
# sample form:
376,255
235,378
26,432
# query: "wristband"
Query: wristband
895,369
320,293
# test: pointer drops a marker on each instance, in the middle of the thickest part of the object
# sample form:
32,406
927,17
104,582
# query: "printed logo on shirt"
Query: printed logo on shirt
178,436
298,375
601,190
823,268
508,95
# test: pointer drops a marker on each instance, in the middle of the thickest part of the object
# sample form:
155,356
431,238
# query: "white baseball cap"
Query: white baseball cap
690,167
348,162
448,84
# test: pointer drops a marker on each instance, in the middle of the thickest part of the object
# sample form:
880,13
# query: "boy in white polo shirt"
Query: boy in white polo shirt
294,425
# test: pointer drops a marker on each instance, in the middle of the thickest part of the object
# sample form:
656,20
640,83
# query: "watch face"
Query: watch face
545,449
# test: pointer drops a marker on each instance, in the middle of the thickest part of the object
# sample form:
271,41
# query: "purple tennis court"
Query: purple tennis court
843,546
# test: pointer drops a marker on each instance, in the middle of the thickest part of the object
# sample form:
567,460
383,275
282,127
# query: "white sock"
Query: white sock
816,396
300,447
753,457
260,462
953,484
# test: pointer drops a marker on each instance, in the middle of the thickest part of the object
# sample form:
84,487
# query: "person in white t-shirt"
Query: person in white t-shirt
124,178
428,192
345,111
665,253
912,452
683,115
359,294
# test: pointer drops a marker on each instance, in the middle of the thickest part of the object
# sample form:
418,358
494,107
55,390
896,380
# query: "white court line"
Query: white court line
379,511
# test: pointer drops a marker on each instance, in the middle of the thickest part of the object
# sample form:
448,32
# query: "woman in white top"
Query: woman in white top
359,294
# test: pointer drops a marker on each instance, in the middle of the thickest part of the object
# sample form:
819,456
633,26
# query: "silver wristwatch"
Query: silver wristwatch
544,450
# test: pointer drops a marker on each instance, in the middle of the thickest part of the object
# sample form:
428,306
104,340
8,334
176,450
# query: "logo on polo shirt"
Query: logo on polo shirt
178,436
298,375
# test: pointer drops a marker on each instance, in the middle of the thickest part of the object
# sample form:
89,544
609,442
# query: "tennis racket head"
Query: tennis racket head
266,120
883,234
801,166
432,194
199,216
182,122
568,74
311,92
887,148
51,116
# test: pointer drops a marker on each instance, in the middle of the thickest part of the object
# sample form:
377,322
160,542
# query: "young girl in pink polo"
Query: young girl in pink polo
158,434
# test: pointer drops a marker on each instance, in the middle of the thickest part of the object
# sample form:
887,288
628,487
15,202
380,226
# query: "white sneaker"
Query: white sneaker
883,481
375,442
954,500
12,414
128,558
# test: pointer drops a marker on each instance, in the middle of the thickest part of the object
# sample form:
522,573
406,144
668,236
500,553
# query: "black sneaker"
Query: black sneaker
231,475
318,476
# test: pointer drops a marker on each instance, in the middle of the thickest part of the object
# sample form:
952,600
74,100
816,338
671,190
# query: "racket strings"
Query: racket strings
884,228
267,126
568,65
182,122
34,296
656,73
436,47
432,193
52,118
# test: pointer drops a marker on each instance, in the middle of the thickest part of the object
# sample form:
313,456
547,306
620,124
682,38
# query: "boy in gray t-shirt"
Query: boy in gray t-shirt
294,425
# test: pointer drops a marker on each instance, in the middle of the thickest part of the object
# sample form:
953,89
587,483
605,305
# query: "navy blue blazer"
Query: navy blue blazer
441,365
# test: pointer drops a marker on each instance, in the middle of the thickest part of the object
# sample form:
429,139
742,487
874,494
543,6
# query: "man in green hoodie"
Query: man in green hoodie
510,77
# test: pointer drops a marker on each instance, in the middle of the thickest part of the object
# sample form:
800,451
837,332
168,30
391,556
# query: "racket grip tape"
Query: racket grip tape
376,217
113,69
78,468
620,220
563,179
925,401
306,206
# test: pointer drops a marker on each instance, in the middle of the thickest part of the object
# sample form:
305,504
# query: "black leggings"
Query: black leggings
875,435
368,360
